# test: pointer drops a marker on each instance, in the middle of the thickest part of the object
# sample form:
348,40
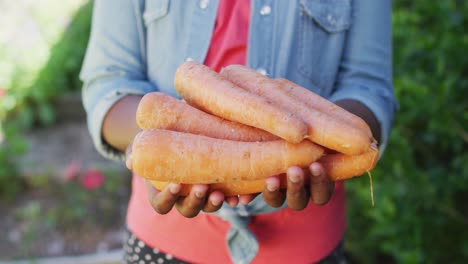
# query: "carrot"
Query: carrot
158,110
341,167
228,188
319,103
323,129
172,156
337,167
208,91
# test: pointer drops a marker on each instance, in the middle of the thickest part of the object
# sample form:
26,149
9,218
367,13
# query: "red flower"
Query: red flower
3,92
72,170
92,179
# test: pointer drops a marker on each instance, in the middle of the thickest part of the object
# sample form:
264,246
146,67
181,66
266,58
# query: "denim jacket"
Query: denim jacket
340,49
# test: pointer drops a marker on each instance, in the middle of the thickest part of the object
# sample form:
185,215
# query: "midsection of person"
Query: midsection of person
301,237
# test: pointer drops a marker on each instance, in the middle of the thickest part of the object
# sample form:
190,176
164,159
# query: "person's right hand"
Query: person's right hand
302,186
189,206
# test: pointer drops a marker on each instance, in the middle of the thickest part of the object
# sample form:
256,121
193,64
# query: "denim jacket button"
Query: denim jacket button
262,71
204,4
265,10
331,19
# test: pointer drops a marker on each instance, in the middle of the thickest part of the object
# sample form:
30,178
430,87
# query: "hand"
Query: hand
297,193
189,206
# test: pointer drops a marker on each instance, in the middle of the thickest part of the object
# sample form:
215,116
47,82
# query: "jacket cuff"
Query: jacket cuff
97,105
383,106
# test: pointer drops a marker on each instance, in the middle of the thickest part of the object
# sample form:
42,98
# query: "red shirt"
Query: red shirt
284,236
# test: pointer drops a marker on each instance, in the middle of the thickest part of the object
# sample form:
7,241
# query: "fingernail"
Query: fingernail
315,170
199,194
200,190
271,187
294,178
232,203
216,202
175,188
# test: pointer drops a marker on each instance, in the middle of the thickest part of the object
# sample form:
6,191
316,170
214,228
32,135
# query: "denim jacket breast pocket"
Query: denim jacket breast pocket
155,9
323,25
154,18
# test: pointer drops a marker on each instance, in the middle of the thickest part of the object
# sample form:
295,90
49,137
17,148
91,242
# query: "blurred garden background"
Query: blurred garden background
59,198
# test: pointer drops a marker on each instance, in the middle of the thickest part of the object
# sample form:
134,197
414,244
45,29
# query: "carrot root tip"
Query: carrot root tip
371,188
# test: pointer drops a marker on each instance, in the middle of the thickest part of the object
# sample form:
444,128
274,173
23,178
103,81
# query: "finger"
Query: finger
191,205
128,157
232,200
152,192
296,195
215,201
163,201
321,188
272,193
247,198
128,162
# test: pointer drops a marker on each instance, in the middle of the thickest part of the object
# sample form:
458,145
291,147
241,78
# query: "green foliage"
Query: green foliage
34,103
421,183
10,183
66,204
69,207
27,105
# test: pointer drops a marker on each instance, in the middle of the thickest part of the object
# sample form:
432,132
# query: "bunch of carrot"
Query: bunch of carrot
238,127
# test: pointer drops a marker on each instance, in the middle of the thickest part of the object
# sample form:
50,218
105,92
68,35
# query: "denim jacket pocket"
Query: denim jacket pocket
323,24
154,10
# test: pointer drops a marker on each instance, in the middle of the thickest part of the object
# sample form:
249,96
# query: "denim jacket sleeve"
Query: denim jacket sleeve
114,65
366,67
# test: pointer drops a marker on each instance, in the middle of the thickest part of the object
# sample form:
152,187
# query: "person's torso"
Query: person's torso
284,39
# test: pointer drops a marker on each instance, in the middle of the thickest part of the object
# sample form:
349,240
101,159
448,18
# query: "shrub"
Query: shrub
25,106
421,183
59,76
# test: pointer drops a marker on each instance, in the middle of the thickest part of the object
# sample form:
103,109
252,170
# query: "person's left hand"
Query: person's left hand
189,206
313,184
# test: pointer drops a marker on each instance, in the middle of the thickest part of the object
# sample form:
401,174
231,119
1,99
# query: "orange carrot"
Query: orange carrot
341,167
337,167
208,91
158,110
228,188
171,156
323,128
316,101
